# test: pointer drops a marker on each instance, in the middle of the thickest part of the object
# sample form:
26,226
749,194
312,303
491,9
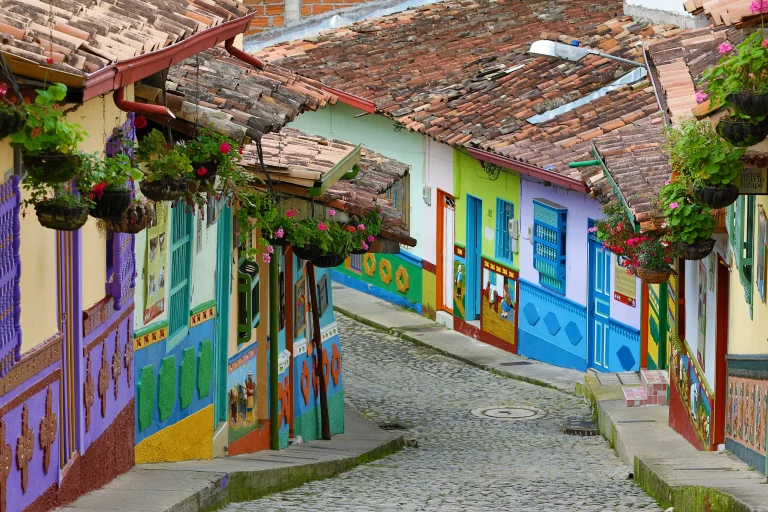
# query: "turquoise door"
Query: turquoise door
223,289
474,247
599,307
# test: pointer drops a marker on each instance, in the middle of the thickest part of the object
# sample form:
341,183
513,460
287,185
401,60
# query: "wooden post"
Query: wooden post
326,424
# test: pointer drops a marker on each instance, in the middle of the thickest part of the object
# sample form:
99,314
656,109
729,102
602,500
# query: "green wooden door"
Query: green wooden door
223,288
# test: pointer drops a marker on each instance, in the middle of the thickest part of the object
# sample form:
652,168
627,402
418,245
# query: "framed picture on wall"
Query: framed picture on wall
300,317
322,294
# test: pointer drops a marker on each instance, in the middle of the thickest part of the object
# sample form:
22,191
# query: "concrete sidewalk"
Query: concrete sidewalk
669,468
409,325
194,486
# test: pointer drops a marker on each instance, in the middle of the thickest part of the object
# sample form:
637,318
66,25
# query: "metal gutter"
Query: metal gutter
352,100
237,53
627,210
338,170
132,70
145,109
528,169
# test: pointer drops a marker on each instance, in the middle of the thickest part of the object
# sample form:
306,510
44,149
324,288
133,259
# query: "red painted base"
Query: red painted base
255,441
679,418
109,456
470,330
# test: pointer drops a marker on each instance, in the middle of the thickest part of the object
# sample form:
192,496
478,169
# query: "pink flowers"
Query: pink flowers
764,44
280,233
361,227
673,205
202,171
371,238
724,48
701,97
224,148
3,89
266,258
291,213
364,246
593,229
667,182
331,212
322,226
270,249
759,6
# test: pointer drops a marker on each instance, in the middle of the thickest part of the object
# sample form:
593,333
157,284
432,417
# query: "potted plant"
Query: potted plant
12,116
167,168
690,223
48,141
210,151
310,238
257,210
652,260
136,217
364,231
740,80
337,248
106,183
711,163
613,230
57,206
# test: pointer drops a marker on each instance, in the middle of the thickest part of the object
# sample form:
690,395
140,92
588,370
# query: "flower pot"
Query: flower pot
742,133
329,260
111,204
697,250
134,219
164,190
717,197
750,103
653,276
11,121
63,218
211,168
308,253
53,168
279,242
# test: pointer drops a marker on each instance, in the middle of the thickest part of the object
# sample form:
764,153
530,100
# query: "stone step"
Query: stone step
654,382
633,396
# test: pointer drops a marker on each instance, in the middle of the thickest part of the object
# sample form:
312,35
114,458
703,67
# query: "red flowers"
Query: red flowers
202,171
240,150
140,122
224,148
98,190
351,229
49,60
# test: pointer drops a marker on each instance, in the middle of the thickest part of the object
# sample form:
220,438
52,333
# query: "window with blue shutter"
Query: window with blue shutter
549,226
356,263
181,271
740,220
399,194
505,211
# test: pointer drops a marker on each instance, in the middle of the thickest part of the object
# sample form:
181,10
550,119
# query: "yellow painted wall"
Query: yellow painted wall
747,335
187,439
428,290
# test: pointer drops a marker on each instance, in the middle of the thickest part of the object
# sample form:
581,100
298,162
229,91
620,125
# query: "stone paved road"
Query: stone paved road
462,463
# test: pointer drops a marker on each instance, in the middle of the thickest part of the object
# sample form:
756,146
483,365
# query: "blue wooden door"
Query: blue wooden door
474,247
223,290
599,307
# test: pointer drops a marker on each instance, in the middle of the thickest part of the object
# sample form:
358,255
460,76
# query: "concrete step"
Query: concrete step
633,396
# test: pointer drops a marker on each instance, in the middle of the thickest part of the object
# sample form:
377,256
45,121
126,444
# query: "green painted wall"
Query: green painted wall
309,424
469,177
414,273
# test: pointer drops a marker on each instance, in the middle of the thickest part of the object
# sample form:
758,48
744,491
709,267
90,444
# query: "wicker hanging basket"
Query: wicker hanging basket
697,250
653,276
329,260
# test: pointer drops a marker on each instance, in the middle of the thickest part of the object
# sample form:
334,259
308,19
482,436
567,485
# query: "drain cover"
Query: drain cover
508,413
580,426
392,426
516,363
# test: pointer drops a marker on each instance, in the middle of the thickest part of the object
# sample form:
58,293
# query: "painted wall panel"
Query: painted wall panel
438,173
747,409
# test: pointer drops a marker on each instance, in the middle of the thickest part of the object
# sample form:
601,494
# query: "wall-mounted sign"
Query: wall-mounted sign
754,181
624,285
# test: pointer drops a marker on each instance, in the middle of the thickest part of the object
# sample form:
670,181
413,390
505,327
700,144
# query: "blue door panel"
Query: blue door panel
599,305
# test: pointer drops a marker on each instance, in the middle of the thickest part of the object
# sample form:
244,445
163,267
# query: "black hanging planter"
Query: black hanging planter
134,219
211,168
329,260
53,168
111,204
359,251
163,190
740,132
717,197
62,218
279,242
11,121
697,250
749,102
308,253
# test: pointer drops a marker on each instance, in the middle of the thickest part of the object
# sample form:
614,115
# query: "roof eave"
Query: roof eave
352,100
340,169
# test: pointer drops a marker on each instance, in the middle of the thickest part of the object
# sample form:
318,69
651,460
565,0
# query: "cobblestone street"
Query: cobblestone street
463,462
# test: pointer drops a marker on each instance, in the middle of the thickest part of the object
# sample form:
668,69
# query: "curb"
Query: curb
393,331
683,498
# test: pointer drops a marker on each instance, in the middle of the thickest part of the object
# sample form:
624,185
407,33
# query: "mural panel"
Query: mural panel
499,296
155,269
747,409
688,380
459,282
241,385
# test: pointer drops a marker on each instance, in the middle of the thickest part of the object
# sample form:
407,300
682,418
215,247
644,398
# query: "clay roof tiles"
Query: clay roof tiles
459,72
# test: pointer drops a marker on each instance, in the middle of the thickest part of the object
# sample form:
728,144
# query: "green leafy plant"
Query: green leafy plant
697,152
651,253
364,230
210,146
688,220
59,194
340,238
614,230
163,160
47,131
311,232
743,67
99,175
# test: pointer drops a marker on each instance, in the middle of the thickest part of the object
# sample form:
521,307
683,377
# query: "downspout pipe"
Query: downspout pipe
145,109
239,54
274,329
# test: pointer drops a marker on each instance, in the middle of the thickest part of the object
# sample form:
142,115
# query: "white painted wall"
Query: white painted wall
692,305
438,173
664,12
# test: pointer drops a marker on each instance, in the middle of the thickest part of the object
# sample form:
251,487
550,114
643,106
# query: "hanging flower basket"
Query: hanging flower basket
717,197
308,253
207,171
60,217
749,102
11,121
653,276
697,250
740,132
133,220
360,251
279,242
53,168
329,260
111,204
164,189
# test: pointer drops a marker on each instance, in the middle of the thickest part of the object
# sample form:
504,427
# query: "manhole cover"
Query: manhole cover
516,363
508,413
580,426
392,426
